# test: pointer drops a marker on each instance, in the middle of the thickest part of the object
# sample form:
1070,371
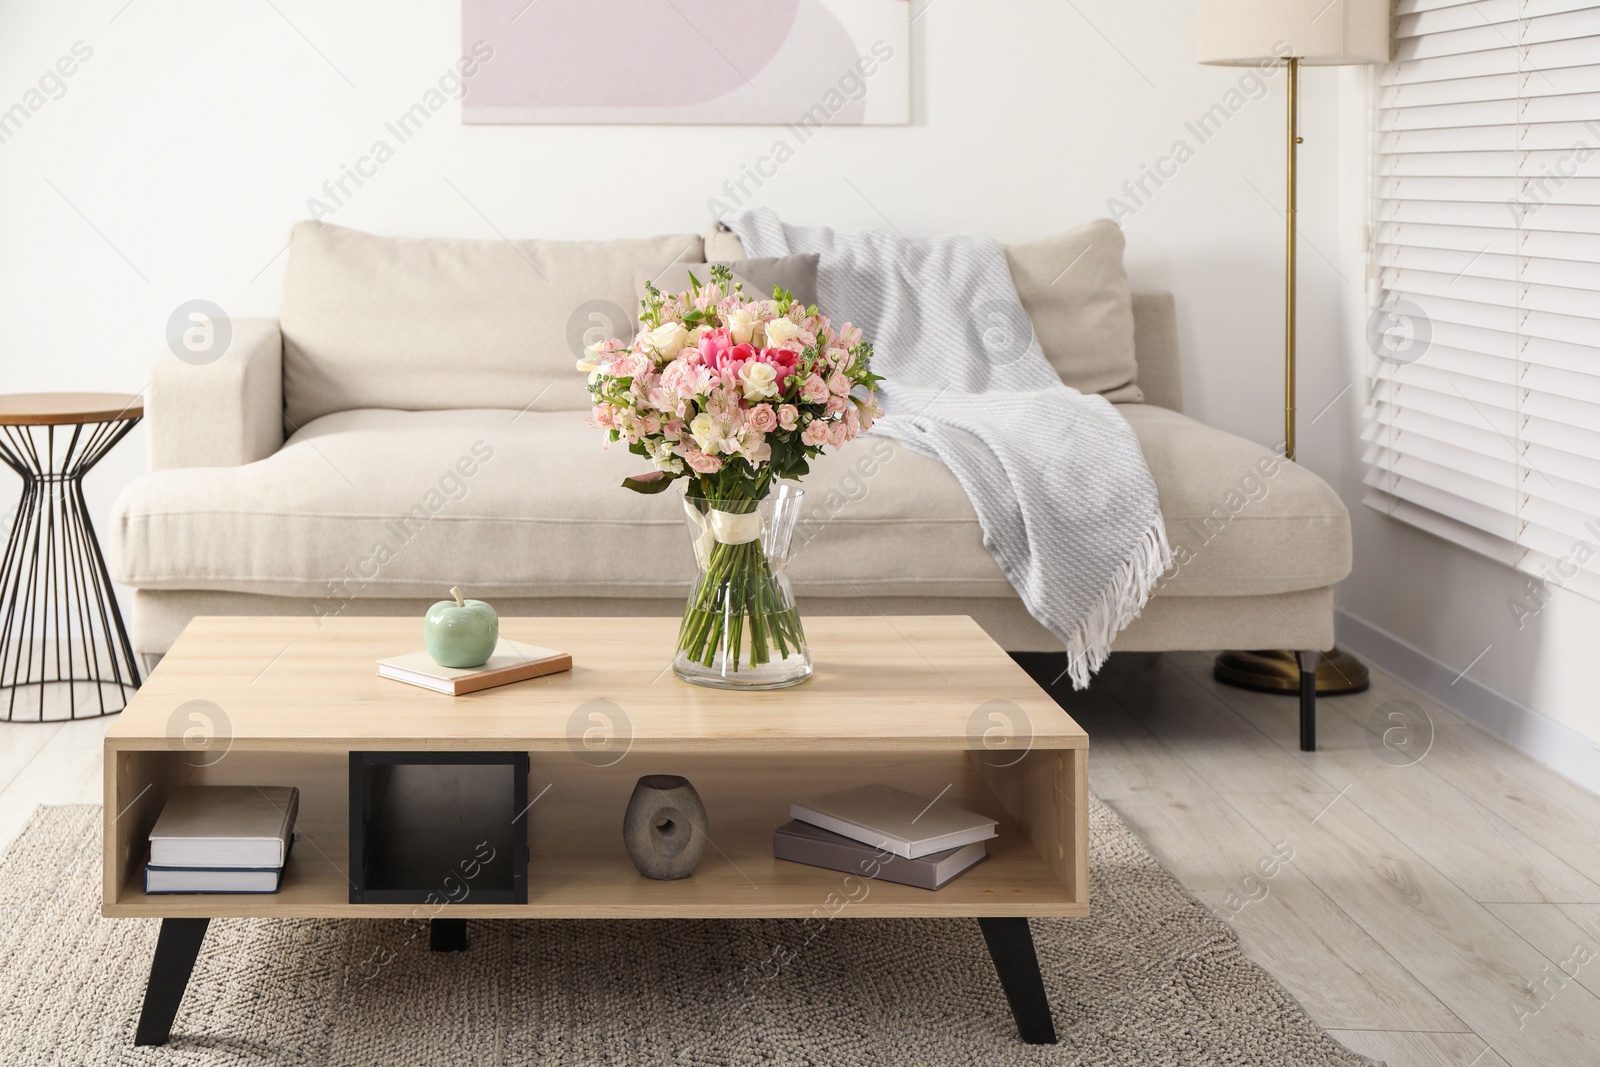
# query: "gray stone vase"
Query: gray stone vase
665,827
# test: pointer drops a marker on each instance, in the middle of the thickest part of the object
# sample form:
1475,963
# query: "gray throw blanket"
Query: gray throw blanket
1067,505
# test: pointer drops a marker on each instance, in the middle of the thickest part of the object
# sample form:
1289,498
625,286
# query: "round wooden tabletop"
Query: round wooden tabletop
58,409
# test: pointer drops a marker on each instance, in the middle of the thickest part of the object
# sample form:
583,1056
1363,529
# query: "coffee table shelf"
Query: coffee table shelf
928,703
579,869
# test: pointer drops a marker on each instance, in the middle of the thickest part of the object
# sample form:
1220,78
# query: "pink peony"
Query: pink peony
763,419
815,433
813,390
788,415
701,462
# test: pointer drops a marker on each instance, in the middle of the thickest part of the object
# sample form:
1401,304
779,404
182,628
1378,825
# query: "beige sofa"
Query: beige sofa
413,421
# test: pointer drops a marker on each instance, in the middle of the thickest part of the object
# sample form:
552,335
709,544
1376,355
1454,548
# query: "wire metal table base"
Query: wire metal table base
59,623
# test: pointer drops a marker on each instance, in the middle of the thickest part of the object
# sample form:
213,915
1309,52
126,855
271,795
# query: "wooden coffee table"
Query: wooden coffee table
928,703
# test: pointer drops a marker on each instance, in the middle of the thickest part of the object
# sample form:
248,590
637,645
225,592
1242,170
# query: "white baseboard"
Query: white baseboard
1559,747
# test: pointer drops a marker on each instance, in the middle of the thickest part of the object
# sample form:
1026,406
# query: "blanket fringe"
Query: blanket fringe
1124,597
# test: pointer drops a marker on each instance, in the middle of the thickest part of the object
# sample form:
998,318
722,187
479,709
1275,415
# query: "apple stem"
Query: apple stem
455,591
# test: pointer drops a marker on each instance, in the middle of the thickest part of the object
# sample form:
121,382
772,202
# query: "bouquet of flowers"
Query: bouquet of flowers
732,393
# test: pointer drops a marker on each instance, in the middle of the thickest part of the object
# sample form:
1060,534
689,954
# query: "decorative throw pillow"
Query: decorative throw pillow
1075,292
797,274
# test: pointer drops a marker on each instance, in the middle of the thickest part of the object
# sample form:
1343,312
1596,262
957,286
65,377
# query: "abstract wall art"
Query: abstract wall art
814,62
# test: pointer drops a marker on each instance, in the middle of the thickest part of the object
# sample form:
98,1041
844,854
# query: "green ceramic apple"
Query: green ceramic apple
460,633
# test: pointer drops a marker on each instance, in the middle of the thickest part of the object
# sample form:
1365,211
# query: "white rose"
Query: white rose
668,339
759,380
742,323
699,332
591,357
704,431
781,331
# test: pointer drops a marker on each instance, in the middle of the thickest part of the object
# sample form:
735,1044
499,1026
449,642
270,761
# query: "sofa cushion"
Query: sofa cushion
1076,294
396,503
1241,519
433,323
404,504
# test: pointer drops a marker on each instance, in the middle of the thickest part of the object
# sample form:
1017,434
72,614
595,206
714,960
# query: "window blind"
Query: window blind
1483,425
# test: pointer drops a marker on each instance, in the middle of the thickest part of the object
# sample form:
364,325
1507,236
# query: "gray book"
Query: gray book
228,826
800,842
892,819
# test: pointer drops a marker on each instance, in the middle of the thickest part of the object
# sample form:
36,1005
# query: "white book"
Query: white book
894,820
193,880
512,661
225,826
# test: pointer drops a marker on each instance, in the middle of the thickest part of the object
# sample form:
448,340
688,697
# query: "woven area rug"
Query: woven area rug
1152,978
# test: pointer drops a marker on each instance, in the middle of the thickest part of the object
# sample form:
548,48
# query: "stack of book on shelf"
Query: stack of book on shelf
878,831
222,839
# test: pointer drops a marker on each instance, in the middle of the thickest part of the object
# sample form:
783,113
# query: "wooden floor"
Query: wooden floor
1441,911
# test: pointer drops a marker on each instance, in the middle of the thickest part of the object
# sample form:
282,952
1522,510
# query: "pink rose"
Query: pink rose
838,384
701,462
763,419
814,390
815,433
838,433
788,415
852,421
650,424
836,404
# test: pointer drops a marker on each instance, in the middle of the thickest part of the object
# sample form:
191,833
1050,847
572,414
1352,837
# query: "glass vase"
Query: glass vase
740,628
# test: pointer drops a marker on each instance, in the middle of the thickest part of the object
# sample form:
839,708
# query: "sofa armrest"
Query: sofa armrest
220,414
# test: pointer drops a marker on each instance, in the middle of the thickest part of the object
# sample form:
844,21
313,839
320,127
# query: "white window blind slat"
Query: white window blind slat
1506,58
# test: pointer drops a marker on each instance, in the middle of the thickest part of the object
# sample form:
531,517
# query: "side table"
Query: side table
59,622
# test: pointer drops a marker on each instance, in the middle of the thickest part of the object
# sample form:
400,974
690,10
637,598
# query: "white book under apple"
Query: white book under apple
894,820
512,661
227,826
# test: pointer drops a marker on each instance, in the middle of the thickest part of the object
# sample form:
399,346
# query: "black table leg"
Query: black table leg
1011,947
176,949
447,935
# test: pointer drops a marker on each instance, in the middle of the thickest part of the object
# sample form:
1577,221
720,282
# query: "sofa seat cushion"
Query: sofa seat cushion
381,503
1241,519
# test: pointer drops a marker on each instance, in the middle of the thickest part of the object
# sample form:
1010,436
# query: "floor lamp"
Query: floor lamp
1289,33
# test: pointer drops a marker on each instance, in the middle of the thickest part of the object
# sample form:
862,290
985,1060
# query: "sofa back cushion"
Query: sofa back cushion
432,323
1076,293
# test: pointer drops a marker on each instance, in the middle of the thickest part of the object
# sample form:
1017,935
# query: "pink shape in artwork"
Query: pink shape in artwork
616,53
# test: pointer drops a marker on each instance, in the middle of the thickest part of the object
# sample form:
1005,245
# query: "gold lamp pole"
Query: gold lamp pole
1263,33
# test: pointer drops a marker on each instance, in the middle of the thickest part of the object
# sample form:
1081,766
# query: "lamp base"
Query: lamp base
1278,671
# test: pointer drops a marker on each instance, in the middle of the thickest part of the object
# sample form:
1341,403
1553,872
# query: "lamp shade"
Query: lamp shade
1246,33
